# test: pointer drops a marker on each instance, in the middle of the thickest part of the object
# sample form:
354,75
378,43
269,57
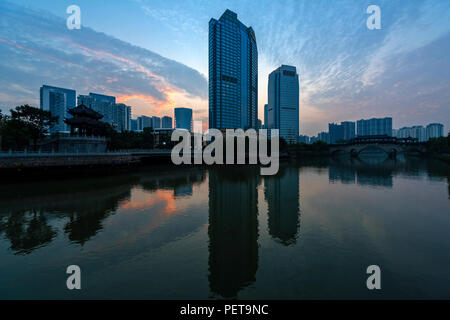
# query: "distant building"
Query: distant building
324,136
404,132
156,122
341,132
336,132
313,139
349,129
134,125
395,133
144,122
118,115
122,117
266,114
166,122
283,98
58,103
303,139
183,118
233,74
435,130
421,133
58,108
374,126
103,97
258,124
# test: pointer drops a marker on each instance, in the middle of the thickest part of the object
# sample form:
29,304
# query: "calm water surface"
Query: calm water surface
196,233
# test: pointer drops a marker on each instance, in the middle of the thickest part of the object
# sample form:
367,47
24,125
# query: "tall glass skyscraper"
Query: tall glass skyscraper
283,98
233,74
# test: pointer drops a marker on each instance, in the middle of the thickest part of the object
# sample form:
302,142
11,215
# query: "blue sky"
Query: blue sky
153,55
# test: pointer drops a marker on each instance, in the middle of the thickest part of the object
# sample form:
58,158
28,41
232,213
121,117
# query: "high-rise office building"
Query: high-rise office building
349,129
324,137
395,133
303,139
116,114
58,108
404,132
166,122
374,126
134,125
56,105
283,106
99,103
434,130
122,117
103,97
336,132
144,122
419,133
156,122
341,132
233,74
183,118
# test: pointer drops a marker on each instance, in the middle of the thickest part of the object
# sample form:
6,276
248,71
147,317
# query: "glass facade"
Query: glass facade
233,74
118,115
374,126
183,118
283,106
54,103
166,122
435,130
341,132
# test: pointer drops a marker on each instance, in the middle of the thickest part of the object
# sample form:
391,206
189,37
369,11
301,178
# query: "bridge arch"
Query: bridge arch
338,151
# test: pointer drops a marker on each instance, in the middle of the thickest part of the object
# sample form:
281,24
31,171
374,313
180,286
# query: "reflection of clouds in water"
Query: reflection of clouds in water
30,213
141,200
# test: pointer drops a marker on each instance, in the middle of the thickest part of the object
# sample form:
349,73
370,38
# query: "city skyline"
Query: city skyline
128,75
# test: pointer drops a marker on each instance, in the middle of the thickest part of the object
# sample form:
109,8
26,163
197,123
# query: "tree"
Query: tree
36,121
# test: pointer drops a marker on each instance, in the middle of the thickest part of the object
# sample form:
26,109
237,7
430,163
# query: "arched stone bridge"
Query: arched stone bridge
390,145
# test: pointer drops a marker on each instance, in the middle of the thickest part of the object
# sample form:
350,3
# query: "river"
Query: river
308,232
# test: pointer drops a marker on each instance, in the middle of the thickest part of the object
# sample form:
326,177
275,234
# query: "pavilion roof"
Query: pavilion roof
85,112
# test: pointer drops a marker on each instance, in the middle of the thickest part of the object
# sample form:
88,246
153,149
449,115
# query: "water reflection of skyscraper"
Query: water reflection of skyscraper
233,229
281,192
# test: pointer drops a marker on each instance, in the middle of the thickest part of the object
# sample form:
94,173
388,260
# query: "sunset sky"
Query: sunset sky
153,55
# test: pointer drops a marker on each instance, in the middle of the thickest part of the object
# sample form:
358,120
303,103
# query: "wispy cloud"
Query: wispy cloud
37,48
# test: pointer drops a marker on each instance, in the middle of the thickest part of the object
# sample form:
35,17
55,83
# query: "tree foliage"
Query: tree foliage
24,127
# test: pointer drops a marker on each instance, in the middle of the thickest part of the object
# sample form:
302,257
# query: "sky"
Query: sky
153,55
